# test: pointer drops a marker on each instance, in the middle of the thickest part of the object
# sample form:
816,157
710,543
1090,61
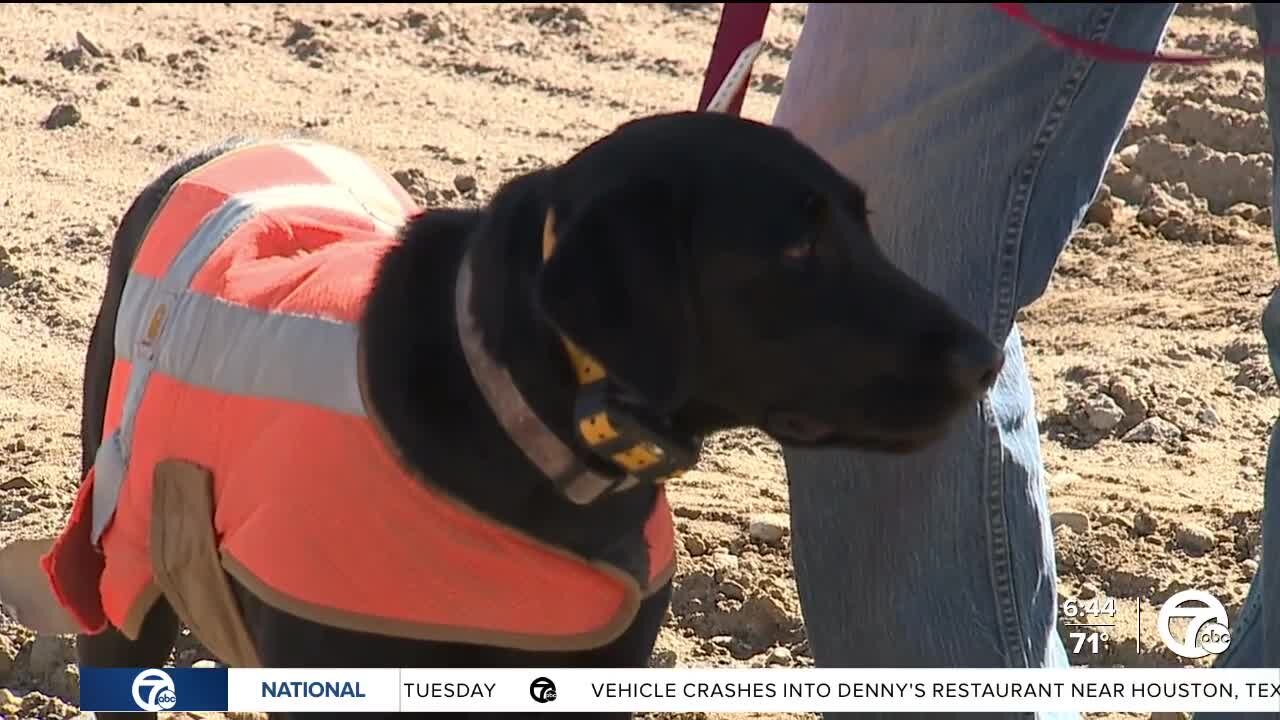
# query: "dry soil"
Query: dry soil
1154,393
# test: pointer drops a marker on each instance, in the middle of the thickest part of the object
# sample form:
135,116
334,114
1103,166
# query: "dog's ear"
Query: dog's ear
617,284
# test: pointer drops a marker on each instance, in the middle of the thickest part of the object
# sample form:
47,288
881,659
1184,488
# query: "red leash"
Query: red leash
742,24
1112,53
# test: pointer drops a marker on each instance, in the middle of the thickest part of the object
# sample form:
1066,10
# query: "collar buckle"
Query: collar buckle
626,436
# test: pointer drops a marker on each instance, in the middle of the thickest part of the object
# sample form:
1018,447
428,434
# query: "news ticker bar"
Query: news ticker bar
679,690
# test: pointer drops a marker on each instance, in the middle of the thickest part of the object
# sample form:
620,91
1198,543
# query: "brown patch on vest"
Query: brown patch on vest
187,565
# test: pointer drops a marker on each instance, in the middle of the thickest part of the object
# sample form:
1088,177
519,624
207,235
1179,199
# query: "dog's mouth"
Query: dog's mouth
801,430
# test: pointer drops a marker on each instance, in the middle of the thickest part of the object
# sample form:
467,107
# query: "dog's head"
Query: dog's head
726,275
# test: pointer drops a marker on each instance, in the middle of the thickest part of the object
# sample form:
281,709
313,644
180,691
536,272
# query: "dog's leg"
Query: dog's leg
110,648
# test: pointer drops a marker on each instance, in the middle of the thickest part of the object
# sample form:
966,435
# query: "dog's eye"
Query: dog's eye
803,253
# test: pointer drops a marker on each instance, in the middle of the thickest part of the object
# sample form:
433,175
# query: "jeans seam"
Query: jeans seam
1009,619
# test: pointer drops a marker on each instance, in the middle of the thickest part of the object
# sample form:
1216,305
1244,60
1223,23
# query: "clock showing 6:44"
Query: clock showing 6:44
1076,608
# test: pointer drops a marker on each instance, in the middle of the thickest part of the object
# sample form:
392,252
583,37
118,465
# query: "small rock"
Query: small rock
1074,519
1144,523
1121,583
135,52
409,177
768,529
695,546
464,183
62,115
70,59
65,682
1159,206
133,101
1195,539
8,652
724,564
415,19
1103,413
1102,211
1241,349
88,45
18,483
1255,374
416,183
1110,536
722,640
763,616
1154,429
1118,521
779,656
1180,354
733,590
1245,210
663,658
1263,217
1087,592
1062,536
1249,566
1209,417
300,31
1135,408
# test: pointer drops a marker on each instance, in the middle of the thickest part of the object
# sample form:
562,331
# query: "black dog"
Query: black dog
722,272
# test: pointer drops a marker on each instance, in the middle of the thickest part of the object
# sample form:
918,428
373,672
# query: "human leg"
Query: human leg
1255,633
980,146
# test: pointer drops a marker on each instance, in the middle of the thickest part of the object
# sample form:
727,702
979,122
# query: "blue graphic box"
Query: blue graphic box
152,689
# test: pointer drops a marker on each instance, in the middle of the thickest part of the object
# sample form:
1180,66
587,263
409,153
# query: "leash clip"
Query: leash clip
625,435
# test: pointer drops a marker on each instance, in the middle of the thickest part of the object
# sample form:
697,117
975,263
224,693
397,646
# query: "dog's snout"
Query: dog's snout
974,364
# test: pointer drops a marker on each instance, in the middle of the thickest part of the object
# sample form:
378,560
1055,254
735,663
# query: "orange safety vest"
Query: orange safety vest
237,351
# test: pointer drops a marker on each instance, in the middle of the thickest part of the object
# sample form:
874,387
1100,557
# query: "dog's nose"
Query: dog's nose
973,366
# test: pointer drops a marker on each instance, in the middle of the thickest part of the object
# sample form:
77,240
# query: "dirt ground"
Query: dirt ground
1154,393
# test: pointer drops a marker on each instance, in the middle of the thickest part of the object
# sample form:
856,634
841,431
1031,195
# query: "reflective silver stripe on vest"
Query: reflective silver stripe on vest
209,343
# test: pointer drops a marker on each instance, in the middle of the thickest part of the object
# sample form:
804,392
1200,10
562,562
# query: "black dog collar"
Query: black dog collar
620,433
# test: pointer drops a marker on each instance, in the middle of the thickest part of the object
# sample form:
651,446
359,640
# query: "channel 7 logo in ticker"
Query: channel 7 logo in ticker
153,689
1206,632
542,690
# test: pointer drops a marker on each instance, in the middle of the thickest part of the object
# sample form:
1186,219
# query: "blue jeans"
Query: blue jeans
980,147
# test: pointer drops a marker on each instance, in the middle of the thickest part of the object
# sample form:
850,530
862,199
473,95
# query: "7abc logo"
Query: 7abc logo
153,691
542,690
1206,632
